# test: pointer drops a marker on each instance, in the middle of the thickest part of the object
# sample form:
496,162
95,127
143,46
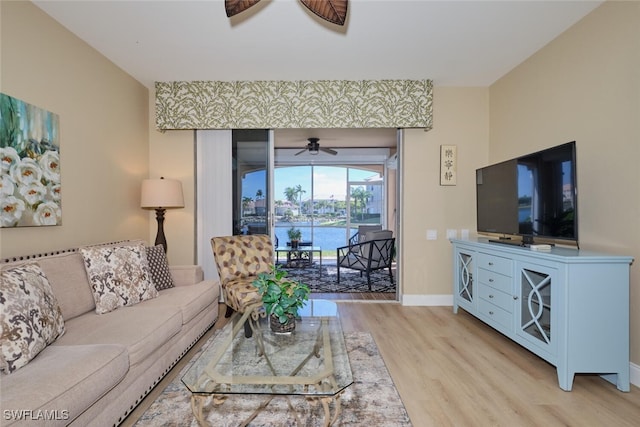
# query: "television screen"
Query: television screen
532,196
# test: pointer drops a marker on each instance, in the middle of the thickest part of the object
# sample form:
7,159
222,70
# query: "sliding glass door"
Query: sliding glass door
325,205
252,159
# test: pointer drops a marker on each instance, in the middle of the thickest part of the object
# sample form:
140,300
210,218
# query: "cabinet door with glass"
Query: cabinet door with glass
536,311
464,276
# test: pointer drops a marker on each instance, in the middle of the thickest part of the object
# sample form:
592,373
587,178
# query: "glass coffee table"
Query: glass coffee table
311,362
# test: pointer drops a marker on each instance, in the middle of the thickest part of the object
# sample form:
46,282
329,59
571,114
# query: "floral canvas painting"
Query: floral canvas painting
29,165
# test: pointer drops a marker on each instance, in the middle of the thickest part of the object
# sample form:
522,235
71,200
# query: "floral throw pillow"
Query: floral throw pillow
119,276
159,268
30,317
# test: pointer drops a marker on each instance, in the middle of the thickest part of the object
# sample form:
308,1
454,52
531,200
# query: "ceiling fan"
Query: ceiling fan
313,147
334,11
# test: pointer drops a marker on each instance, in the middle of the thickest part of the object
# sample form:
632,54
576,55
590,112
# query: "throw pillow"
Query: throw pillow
159,268
119,276
30,317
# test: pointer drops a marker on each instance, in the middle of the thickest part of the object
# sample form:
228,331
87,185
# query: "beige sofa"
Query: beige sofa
104,364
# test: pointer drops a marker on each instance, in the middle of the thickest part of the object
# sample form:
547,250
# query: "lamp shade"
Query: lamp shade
161,193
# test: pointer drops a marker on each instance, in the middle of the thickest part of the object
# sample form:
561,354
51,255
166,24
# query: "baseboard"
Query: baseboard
634,374
428,300
447,300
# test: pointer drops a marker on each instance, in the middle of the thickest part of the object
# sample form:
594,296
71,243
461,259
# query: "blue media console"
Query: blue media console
568,306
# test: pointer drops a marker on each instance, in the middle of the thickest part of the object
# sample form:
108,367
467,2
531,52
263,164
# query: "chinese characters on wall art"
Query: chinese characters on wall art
29,165
448,164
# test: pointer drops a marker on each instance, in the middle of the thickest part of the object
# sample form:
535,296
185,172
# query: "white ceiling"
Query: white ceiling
454,43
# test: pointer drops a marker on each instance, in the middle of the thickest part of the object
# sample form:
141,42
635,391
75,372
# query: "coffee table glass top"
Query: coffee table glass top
312,360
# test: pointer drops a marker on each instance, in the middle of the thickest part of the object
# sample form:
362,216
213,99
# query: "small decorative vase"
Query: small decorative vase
282,328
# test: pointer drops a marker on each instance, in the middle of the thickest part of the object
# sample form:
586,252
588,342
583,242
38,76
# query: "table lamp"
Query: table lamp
161,194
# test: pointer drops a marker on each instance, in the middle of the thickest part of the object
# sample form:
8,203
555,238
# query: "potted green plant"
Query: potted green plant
282,298
294,236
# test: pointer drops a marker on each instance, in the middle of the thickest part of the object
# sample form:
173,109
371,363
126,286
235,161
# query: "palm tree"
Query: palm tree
360,195
290,194
246,201
299,192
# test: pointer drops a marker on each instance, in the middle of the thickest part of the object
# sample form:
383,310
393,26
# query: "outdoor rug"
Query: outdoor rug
326,280
372,399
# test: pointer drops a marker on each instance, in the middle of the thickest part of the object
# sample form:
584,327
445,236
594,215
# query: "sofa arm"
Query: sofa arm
184,275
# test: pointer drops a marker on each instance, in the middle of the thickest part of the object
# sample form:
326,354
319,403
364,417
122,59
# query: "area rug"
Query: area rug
325,280
372,399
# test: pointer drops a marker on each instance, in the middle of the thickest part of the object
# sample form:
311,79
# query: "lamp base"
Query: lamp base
160,239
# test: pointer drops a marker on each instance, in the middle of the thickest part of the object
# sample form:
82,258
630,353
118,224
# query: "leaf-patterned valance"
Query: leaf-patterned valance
294,104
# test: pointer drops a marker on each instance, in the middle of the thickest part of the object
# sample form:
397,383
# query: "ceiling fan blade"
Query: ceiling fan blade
328,151
334,11
301,151
233,7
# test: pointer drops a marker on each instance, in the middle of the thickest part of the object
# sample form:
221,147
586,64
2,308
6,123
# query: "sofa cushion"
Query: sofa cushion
30,317
159,268
141,329
64,379
190,299
119,275
70,284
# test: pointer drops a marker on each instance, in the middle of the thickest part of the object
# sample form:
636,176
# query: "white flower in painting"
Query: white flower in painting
33,193
54,192
47,214
50,165
26,172
11,210
8,158
7,185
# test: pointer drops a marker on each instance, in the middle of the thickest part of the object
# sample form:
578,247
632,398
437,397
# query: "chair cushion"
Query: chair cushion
375,253
240,294
30,317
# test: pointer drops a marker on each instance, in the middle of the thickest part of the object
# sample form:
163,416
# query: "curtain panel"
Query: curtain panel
294,104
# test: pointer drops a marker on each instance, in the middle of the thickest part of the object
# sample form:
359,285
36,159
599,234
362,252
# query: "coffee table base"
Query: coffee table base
199,402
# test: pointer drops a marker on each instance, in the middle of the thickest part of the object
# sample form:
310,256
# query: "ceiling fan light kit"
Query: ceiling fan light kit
334,11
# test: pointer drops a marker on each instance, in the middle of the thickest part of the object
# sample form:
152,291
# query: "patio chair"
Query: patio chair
374,253
239,260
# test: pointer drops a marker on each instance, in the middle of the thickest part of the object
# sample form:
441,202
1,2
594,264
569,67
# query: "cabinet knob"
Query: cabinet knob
515,297
490,296
491,313
490,263
490,280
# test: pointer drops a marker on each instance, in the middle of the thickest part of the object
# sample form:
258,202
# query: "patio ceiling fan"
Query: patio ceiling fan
313,147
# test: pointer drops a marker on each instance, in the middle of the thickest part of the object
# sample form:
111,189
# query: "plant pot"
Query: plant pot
282,328
294,244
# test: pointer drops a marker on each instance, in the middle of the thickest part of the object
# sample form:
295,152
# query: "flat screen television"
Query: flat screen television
530,196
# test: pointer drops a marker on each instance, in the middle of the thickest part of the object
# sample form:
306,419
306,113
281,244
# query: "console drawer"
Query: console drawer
495,280
495,297
495,314
495,263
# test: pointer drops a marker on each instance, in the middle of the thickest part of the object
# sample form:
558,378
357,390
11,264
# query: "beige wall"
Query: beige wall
585,86
172,155
103,131
460,118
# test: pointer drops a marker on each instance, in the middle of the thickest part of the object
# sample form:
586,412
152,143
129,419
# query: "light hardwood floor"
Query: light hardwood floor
453,370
